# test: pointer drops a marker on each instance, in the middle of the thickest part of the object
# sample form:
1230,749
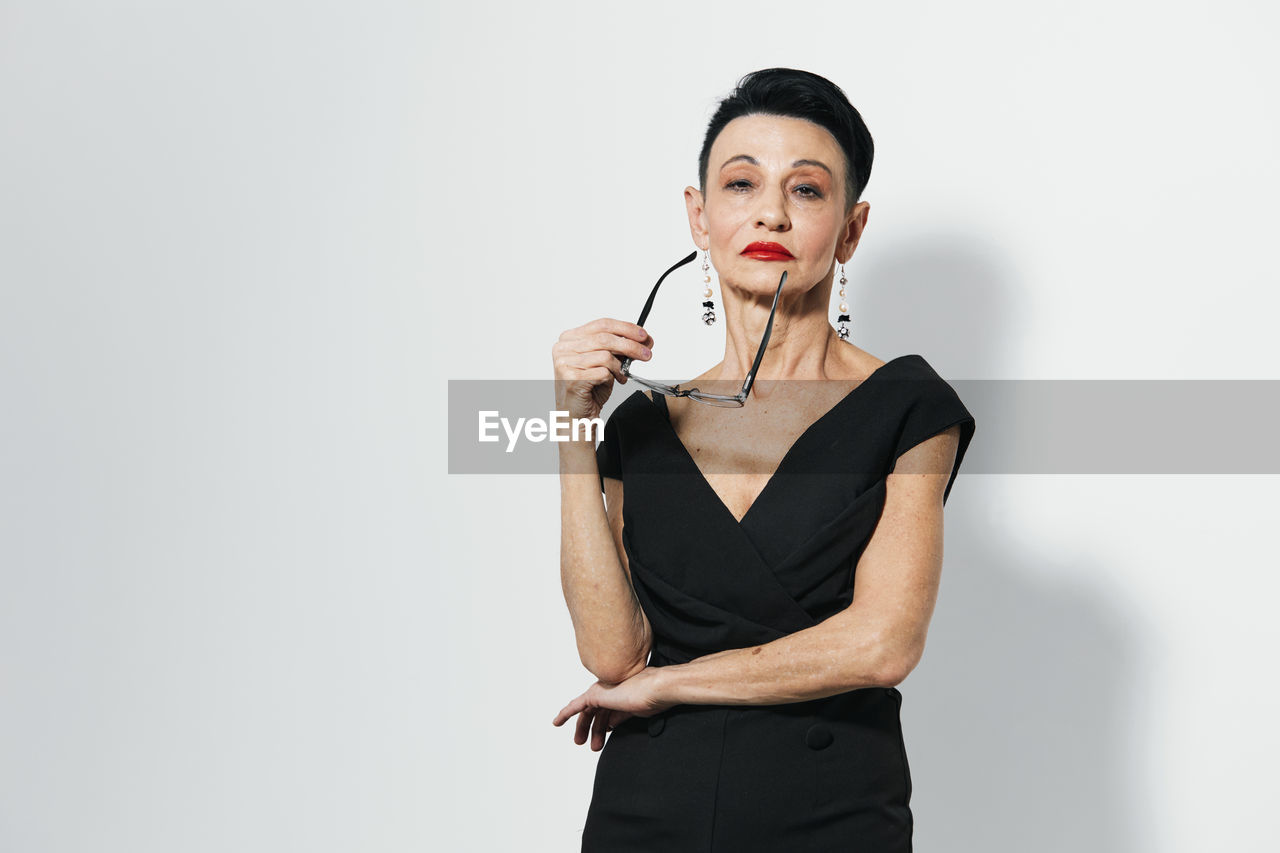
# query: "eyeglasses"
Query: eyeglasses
735,401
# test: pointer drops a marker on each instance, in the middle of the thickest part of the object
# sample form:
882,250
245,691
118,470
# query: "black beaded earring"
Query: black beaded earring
843,319
709,315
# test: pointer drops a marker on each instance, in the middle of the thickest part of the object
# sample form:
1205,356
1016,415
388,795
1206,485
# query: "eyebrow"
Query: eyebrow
754,162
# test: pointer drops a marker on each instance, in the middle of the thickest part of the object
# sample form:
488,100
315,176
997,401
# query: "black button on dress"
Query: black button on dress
823,775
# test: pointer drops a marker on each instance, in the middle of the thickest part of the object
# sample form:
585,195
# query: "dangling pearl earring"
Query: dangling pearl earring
708,316
843,319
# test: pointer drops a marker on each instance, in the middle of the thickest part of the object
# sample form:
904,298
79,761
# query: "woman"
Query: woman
769,580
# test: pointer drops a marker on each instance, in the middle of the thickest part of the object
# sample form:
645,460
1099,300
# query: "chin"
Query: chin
764,275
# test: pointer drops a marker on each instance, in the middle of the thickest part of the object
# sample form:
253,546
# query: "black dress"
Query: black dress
823,775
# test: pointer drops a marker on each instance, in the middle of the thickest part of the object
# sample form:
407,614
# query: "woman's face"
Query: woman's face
779,180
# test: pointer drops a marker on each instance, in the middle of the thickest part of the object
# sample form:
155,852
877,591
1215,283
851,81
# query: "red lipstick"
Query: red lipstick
767,252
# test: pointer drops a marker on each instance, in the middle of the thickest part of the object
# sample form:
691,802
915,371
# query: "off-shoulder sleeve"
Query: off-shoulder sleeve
608,459
935,406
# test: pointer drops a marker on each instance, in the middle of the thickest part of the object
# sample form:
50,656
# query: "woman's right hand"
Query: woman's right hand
588,359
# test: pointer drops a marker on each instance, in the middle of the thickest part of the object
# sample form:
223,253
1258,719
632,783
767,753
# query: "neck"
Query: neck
802,345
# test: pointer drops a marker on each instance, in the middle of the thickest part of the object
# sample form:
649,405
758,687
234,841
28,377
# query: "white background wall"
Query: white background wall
245,244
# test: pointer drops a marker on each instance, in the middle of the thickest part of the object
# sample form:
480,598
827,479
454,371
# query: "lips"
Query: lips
767,252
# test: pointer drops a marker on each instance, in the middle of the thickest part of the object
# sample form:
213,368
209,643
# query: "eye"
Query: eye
808,191
738,184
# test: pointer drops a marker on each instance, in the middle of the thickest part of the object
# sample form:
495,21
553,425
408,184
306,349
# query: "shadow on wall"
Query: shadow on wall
1018,720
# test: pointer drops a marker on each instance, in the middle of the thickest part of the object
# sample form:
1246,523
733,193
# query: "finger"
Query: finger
578,342
580,361
598,730
617,344
599,375
567,711
602,358
610,724
617,327
584,726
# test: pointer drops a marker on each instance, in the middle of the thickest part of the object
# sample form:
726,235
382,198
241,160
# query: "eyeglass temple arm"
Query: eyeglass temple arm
764,342
644,315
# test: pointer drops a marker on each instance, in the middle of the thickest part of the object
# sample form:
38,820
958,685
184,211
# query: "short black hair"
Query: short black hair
805,95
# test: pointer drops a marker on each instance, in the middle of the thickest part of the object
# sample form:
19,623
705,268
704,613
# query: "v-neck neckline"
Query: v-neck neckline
665,417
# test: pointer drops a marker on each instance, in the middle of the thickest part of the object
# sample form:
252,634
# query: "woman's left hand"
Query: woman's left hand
605,705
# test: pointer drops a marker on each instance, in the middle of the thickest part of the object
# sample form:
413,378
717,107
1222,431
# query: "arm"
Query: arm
878,639
613,633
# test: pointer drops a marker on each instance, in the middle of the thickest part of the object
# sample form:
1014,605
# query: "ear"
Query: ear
697,218
852,233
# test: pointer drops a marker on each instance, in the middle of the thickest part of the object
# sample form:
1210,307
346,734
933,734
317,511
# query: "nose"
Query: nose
773,211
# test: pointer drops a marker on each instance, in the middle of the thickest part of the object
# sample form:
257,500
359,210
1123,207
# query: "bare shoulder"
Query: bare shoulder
858,363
